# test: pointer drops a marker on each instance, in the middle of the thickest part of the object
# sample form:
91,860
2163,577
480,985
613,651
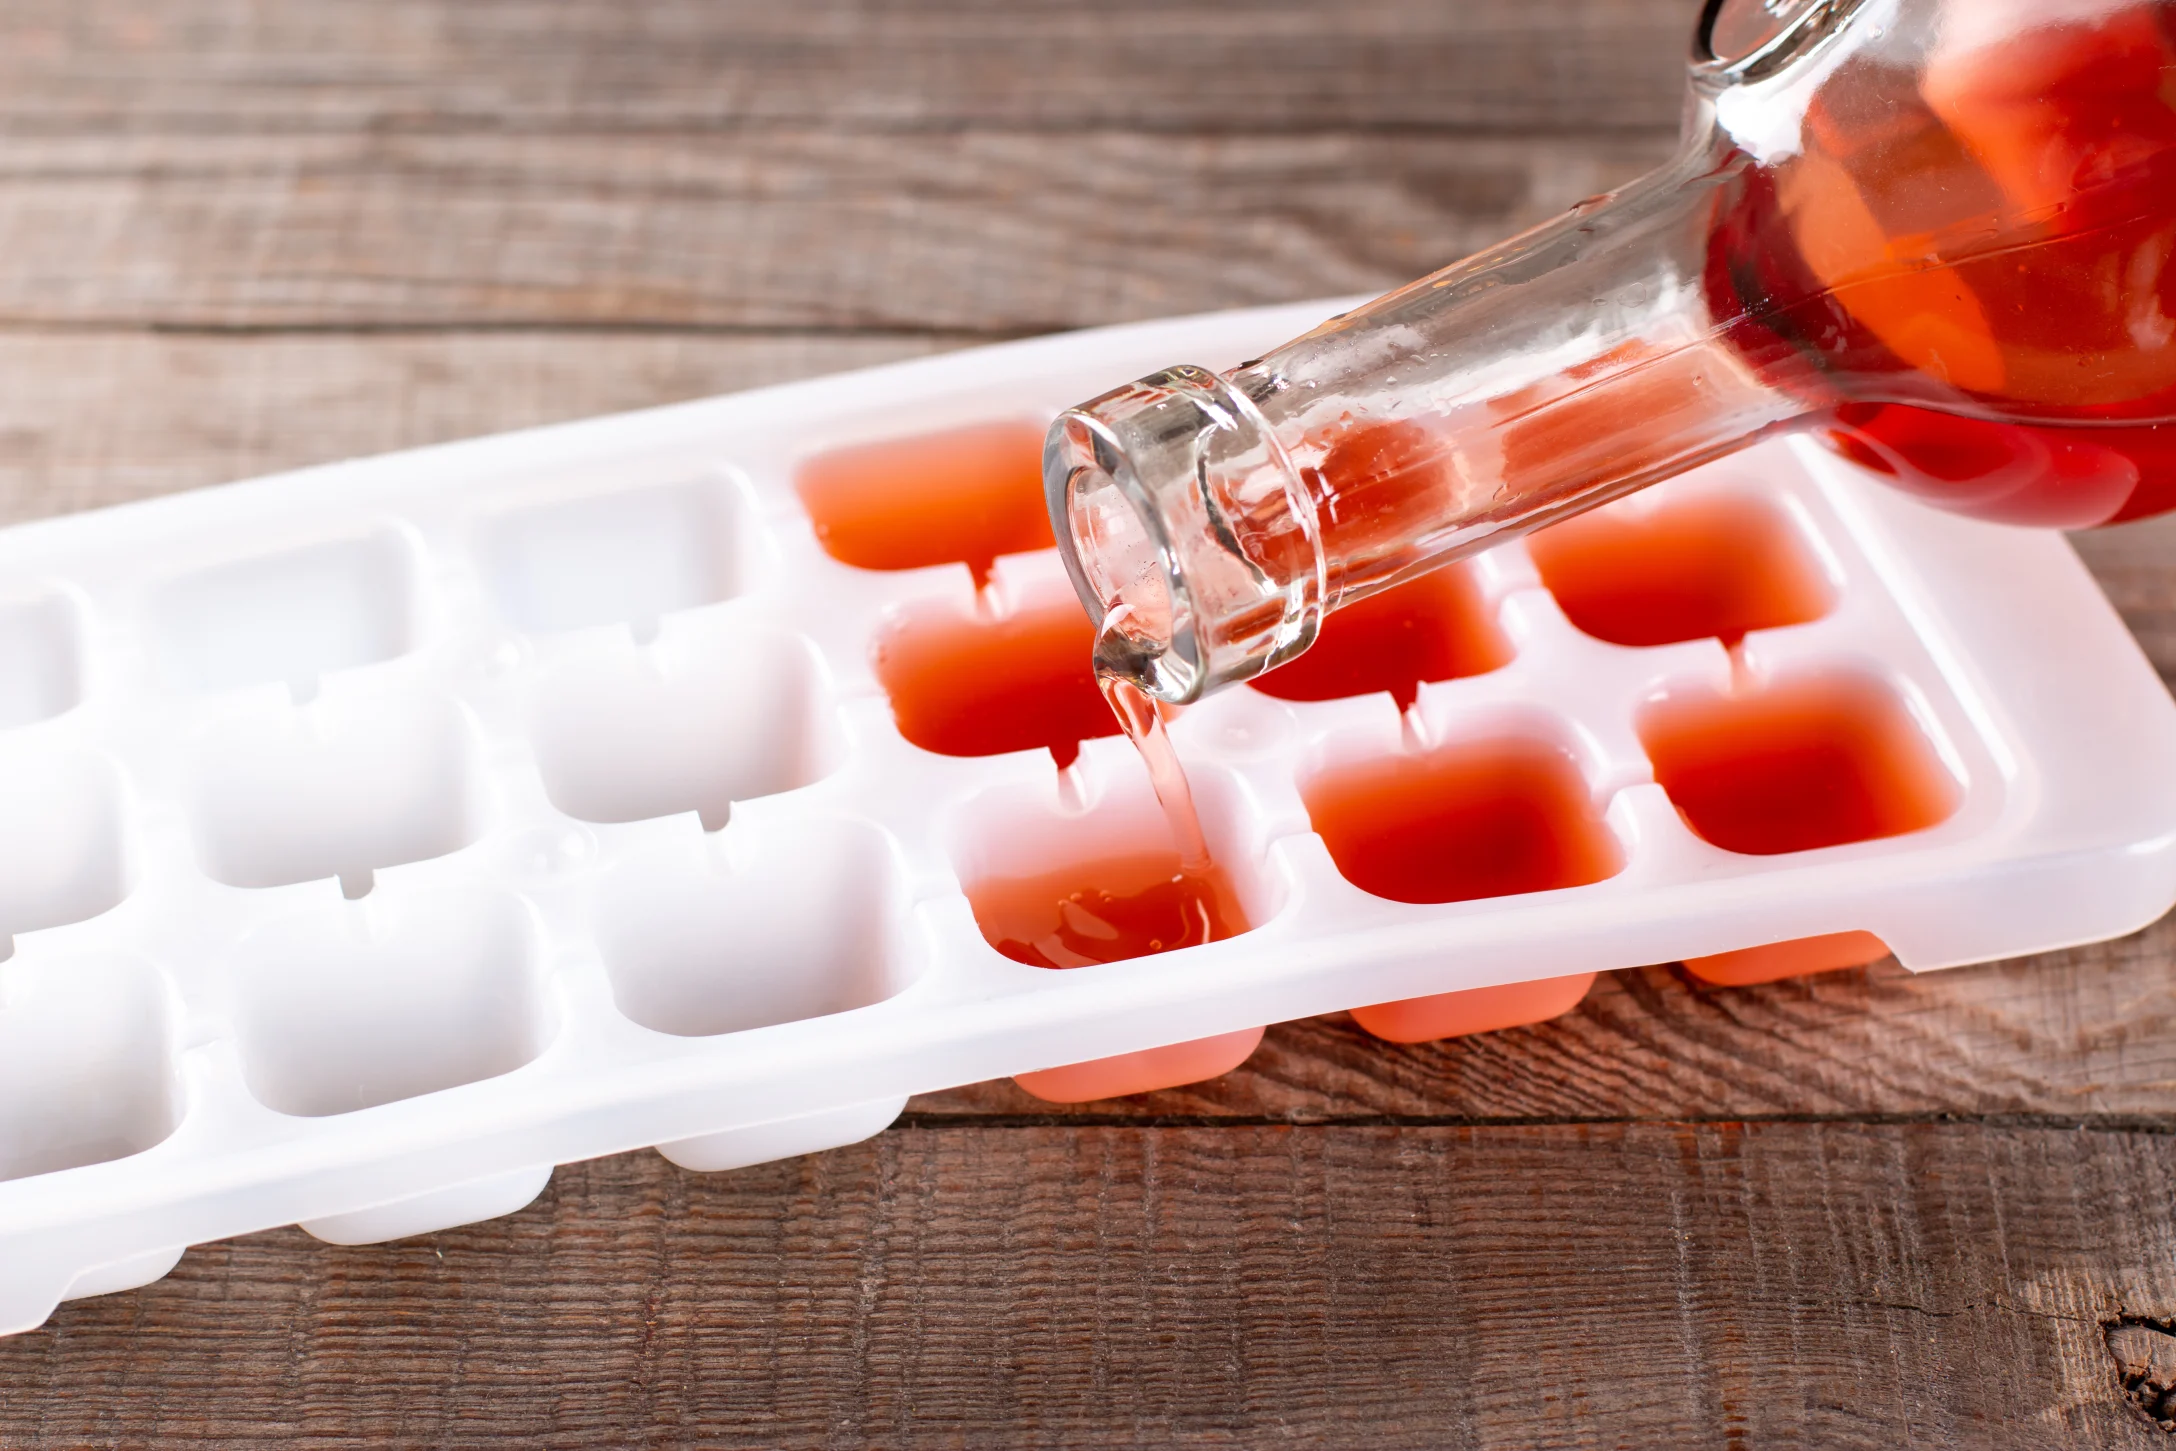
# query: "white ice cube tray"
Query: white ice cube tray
359,835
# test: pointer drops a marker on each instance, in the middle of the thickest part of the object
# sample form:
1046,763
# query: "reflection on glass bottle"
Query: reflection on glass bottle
1941,233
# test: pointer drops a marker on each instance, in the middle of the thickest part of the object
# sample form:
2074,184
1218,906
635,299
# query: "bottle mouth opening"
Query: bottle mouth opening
1185,533
1111,539
1750,40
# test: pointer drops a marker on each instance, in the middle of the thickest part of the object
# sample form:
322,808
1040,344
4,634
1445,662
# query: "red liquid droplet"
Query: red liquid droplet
1106,910
1687,570
1798,765
965,684
1436,627
964,496
1487,819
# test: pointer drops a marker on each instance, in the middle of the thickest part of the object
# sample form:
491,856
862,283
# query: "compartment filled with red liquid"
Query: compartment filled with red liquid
964,681
1108,909
1436,627
1771,961
965,496
1716,565
1487,818
1798,763
1062,889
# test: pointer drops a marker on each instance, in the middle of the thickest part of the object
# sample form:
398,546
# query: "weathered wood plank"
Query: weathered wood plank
2136,565
572,207
971,232
1193,65
2086,1035
102,418
1572,1286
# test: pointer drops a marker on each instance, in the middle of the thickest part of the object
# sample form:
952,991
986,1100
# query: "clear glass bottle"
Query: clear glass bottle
1942,232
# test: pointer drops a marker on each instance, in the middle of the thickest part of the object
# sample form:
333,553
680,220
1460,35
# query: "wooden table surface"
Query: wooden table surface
1861,1209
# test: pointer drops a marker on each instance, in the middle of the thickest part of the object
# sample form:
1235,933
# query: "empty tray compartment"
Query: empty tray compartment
366,1003
811,920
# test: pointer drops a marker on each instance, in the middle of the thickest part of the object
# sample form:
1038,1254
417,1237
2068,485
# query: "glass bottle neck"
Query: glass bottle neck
1210,519
1960,205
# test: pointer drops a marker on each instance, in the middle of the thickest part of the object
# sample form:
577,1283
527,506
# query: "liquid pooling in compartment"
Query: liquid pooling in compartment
288,617
1107,910
807,923
618,558
1110,909
86,1063
1800,762
708,714
1484,818
1657,571
1063,888
1436,627
965,496
966,682
371,1002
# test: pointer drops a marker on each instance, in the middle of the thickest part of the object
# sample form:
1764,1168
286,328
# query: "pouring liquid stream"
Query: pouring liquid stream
1144,726
1145,899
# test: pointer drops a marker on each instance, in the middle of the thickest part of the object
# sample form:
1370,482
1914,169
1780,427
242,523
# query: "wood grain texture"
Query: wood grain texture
2087,1036
975,232
104,417
1728,1286
1199,66
1865,1209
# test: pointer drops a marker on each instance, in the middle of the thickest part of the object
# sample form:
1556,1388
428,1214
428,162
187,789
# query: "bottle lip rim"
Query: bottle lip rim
1816,22
1174,417
1170,669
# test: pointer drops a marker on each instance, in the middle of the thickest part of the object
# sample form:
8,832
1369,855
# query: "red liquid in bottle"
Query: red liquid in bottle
1965,272
1690,569
1490,819
963,496
1995,237
1798,764
1436,627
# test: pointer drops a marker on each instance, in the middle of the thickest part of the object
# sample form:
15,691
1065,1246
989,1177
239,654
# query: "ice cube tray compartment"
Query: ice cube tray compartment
1802,760
64,839
41,656
1060,828
289,617
707,713
338,787
1497,815
1435,628
359,1004
806,923
1665,567
379,836
616,557
989,676
87,1069
916,500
